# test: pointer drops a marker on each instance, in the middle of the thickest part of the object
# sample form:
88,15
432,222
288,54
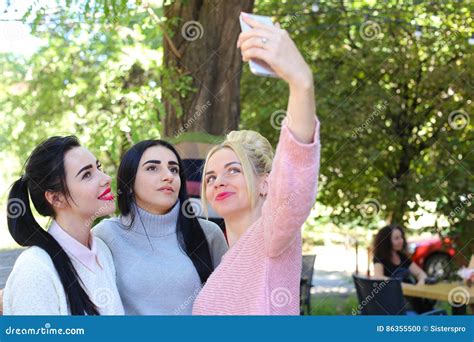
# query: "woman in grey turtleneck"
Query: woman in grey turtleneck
163,254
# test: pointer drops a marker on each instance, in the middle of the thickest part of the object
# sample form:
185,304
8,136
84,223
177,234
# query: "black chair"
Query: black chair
307,268
383,297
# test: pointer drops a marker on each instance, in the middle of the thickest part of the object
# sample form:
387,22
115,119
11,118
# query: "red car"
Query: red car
433,255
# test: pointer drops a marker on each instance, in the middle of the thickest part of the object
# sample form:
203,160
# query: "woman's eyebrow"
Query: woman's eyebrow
226,165
84,168
87,167
234,162
152,161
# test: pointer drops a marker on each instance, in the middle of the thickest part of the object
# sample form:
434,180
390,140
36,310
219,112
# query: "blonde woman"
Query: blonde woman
264,200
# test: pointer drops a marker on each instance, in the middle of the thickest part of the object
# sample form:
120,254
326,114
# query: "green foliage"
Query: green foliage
384,96
98,79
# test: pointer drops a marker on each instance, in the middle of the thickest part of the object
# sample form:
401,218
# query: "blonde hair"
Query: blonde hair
255,153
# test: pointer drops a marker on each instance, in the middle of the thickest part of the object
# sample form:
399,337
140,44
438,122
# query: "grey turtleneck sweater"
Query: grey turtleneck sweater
154,275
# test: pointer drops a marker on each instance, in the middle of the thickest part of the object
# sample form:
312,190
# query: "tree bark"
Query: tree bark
207,52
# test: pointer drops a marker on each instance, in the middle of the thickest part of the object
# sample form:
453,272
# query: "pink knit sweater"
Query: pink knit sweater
260,274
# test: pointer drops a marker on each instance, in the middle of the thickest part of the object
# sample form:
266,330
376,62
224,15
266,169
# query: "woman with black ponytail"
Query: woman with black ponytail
65,270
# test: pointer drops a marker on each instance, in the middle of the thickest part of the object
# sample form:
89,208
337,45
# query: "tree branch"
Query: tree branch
152,14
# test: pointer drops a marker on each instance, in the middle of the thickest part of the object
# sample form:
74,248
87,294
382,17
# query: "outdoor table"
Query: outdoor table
456,293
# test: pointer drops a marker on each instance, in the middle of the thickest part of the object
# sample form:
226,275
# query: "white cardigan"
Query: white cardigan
34,287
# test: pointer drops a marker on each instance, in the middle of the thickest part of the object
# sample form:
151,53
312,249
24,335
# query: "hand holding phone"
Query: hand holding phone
271,52
258,67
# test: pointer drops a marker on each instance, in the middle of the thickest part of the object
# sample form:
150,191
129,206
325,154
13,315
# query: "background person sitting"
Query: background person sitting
391,261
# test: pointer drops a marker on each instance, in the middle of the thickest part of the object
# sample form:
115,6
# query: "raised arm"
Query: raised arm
292,182
275,47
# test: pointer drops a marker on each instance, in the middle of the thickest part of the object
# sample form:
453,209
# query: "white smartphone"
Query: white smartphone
257,66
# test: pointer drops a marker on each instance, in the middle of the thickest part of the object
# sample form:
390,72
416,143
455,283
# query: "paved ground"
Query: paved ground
332,282
334,267
329,277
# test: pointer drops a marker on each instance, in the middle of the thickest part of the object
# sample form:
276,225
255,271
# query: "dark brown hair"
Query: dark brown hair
383,243
191,237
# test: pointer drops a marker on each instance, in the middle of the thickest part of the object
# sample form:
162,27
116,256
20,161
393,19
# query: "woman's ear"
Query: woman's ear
264,185
56,199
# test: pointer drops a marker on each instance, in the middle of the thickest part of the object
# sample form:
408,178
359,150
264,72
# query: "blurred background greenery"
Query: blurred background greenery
393,82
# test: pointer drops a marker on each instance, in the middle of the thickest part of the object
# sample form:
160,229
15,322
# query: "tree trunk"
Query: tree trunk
205,50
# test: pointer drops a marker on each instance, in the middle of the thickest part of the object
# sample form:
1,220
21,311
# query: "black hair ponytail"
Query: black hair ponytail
45,171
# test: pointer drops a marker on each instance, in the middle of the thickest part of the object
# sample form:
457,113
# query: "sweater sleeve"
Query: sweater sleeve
292,188
31,289
216,240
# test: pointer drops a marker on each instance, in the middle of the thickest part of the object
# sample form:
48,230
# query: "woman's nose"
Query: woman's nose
106,180
219,182
167,175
